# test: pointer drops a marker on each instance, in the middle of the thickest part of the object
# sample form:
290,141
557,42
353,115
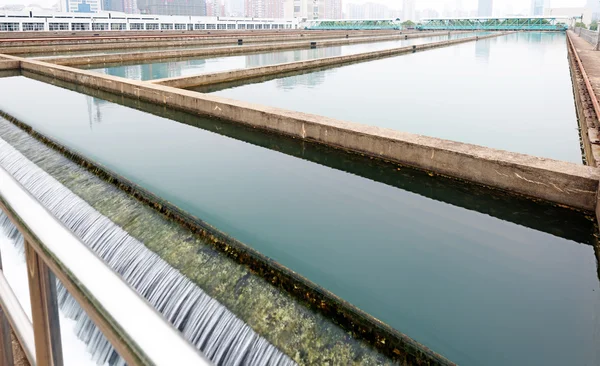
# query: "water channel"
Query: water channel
158,70
512,93
471,285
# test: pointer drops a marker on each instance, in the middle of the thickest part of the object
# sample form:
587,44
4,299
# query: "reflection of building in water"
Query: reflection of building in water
310,80
265,59
482,50
94,113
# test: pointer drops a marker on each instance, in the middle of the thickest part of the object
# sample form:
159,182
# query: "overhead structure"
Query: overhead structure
354,24
538,23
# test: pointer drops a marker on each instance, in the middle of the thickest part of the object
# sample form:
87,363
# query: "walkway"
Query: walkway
590,59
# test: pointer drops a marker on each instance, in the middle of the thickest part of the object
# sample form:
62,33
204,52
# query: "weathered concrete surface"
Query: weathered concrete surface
241,74
555,181
214,52
86,45
9,64
580,51
69,37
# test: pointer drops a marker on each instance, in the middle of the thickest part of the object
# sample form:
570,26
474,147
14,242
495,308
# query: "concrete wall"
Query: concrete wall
235,75
560,182
214,52
62,36
9,64
15,48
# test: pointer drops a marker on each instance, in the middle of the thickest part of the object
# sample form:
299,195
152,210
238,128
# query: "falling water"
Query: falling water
212,328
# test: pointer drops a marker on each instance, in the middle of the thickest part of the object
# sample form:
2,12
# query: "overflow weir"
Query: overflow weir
297,305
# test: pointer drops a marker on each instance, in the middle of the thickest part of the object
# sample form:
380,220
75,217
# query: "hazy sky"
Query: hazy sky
516,5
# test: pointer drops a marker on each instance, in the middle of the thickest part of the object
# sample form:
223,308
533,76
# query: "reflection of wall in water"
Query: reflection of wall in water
168,69
482,50
310,79
94,112
273,58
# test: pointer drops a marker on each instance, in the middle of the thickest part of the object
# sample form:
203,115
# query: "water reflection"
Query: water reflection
482,50
494,93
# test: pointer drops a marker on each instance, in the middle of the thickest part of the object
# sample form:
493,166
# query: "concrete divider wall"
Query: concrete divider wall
222,51
241,74
62,37
559,182
9,64
175,42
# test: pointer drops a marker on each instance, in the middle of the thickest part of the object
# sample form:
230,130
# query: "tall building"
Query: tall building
594,5
82,6
484,8
267,8
172,7
537,7
215,8
309,9
408,10
234,8
125,6
333,9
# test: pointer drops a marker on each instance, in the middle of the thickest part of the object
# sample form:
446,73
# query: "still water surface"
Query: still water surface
512,93
159,70
478,289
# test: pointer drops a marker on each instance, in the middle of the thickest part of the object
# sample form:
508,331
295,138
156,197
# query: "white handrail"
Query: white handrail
136,330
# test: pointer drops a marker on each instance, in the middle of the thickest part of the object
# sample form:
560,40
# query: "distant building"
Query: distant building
215,8
173,7
125,6
82,6
275,9
585,13
485,8
408,10
594,5
234,8
537,7
333,9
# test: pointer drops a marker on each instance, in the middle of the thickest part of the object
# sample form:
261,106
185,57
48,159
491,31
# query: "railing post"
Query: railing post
597,48
44,310
6,353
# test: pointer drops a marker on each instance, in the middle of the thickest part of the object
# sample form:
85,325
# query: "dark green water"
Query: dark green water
158,70
407,248
511,93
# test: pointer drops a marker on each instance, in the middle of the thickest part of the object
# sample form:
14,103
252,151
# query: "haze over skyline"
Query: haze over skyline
439,5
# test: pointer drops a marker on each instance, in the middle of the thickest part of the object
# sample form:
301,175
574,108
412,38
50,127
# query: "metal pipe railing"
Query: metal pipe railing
136,330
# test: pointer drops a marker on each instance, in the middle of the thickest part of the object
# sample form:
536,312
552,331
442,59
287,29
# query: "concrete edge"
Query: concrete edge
559,182
16,50
97,37
9,64
585,104
221,51
249,73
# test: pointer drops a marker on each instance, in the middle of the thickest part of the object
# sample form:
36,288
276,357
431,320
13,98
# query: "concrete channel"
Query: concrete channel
559,182
321,63
221,51
12,49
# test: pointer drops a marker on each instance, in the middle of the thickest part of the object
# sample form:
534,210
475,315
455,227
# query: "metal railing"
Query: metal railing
590,36
138,332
